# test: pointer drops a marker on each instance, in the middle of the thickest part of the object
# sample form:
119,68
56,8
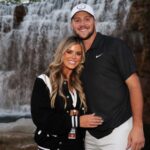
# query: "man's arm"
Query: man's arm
136,137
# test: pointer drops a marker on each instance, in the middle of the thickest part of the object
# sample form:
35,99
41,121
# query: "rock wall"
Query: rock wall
137,34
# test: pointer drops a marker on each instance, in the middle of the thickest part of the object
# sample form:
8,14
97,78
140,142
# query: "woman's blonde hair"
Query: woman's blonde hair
56,74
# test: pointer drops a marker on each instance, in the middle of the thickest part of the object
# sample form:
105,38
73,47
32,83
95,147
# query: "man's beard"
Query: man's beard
88,36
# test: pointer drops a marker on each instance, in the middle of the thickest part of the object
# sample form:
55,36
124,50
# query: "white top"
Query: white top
74,97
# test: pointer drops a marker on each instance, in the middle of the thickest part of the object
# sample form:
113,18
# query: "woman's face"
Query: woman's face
72,57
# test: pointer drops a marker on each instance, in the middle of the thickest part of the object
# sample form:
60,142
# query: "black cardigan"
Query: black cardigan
53,124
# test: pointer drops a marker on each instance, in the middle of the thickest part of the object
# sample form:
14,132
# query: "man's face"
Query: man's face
83,25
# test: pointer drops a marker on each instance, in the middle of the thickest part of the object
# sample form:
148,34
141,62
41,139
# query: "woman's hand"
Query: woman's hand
90,121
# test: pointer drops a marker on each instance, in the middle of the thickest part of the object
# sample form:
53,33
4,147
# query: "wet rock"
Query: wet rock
19,13
17,135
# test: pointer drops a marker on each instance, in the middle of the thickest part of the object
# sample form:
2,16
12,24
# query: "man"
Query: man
111,85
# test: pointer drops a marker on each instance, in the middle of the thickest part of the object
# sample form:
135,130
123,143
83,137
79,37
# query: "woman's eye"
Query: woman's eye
69,51
78,53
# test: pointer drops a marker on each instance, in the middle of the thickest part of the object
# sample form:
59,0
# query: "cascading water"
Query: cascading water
26,50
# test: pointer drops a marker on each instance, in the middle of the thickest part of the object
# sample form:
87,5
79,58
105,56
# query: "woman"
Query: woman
58,102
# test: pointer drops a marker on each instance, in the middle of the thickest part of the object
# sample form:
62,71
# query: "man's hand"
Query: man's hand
136,139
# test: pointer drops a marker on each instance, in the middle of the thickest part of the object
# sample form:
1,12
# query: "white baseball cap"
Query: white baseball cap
82,7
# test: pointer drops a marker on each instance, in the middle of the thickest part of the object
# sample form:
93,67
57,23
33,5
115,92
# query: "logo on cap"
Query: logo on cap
81,6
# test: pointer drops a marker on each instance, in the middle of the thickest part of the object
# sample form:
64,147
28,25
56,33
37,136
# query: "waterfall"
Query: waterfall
26,50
